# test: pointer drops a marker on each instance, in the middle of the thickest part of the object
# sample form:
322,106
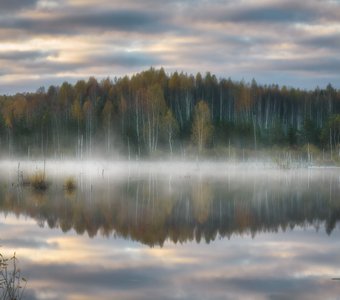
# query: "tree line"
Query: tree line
153,112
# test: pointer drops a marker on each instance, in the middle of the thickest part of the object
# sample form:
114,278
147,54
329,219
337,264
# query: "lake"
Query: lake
173,230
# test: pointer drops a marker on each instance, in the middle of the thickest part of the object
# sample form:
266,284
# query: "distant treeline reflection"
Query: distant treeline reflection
153,210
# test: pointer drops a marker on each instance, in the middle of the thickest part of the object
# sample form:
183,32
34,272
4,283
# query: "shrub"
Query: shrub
70,184
38,181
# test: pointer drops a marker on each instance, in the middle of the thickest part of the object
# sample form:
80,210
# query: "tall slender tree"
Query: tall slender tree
202,128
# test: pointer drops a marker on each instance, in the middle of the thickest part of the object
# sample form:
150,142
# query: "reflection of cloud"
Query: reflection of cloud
239,268
88,276
170,256
270,287
16,243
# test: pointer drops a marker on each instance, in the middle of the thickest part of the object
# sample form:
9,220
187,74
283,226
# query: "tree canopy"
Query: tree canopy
153,111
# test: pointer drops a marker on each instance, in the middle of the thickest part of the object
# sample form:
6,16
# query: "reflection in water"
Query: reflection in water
228,237
152,210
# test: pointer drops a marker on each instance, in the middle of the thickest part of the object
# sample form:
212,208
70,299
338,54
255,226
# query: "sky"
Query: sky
288,42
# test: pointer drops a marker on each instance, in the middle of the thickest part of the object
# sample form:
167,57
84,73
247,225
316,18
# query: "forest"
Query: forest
156,114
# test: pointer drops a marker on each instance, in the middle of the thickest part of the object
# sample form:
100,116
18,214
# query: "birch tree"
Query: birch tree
155,110
107,121
170,126
202,128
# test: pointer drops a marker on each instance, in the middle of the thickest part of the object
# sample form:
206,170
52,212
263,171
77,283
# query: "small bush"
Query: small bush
70,184
38,181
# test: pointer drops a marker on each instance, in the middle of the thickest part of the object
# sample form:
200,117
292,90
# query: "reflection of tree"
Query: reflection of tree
332,220
151,211
202,197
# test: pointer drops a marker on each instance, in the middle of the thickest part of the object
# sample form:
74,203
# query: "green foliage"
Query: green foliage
310,132
292,136
330,133
277,136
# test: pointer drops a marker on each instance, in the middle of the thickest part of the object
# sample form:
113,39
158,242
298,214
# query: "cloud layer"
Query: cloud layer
284,42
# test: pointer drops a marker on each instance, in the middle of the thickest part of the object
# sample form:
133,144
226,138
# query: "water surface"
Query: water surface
180,231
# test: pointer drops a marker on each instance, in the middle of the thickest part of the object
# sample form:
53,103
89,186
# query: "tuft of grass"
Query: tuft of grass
70,184
38,181
12,284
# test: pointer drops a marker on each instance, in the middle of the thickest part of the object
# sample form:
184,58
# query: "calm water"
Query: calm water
186,231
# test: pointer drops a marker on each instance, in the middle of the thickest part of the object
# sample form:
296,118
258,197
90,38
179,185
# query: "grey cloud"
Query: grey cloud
310,65
15,5
331,42
51,67
4,71
287,12
25,55
270,15
241,41
126,59
35,61
125,20
77,22
41,67
31,85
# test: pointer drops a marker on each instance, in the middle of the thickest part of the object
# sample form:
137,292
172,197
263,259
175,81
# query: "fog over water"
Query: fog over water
180,167
173,230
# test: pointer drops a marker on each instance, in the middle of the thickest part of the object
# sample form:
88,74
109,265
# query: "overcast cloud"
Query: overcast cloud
286,42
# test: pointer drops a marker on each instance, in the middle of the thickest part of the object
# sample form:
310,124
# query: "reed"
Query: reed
12,283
